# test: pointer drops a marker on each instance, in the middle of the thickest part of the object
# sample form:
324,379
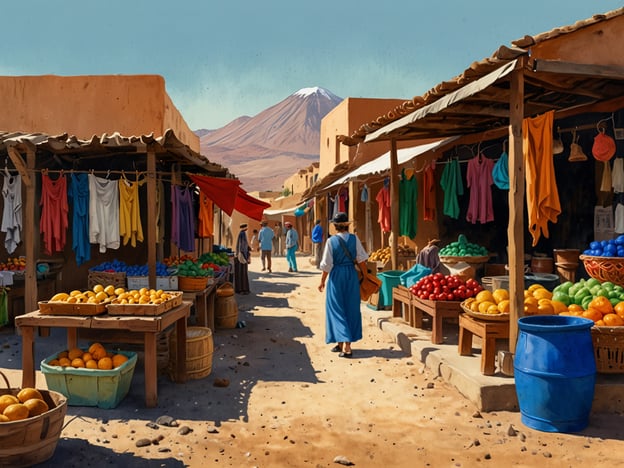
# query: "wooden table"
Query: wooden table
204,302
147,326
489,332
403,304
438,310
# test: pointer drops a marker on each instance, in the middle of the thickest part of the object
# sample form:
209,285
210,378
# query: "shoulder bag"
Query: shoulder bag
369,284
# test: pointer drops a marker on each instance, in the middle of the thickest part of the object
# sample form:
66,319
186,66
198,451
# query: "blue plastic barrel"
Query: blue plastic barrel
389,279
555,372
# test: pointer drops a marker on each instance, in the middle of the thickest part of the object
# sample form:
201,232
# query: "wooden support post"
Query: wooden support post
394,203
151,218
515,229
31,236
353,205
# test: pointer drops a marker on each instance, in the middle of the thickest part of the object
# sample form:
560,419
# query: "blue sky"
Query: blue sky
223,59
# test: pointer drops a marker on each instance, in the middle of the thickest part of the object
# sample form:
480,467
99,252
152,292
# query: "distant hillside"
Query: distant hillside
265,149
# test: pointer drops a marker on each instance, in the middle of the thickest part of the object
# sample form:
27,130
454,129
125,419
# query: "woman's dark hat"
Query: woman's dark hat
243,226
340,218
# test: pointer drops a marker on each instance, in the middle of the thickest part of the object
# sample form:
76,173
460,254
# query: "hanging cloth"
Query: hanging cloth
184,219
383,218
617,175
130,229
451,183
541,186
103,213
429,192
205,217
479,180
160,212
408,208
606,182
500,172
78,194
12,214
54,213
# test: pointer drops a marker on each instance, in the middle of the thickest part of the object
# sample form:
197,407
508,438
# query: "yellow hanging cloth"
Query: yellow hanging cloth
541,186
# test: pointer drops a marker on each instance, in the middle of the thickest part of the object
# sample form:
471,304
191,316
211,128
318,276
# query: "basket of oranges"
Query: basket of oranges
92,377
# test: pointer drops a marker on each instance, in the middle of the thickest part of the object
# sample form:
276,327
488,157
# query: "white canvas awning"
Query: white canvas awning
381,164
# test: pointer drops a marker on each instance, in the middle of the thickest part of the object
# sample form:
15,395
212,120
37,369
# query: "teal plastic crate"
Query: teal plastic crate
91,387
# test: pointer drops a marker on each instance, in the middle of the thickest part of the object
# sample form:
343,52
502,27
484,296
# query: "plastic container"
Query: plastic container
555,372
91,387
389,279
548,280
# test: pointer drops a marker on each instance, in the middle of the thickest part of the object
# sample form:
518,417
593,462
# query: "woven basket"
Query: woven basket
192,283
605,268
33,440
608,349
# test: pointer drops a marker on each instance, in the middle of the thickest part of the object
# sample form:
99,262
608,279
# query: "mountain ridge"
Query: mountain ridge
264,150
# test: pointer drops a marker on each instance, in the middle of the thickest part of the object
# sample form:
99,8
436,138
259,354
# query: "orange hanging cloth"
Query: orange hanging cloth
541,187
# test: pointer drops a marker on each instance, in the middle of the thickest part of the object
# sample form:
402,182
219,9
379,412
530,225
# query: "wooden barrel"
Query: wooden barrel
226,312
199,350
568,256
542,264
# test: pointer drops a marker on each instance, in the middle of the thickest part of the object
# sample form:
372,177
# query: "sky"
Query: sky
228,58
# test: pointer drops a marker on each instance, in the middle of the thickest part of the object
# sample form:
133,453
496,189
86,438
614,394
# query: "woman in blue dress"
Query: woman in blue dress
343,320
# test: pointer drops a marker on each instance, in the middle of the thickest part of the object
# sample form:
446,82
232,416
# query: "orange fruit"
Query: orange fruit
542,293
119,359
530,309
54,362
559,306
65,362
602,304
91,364
500,295
575,308
3,418
16,411
503,306
531,300
62,354
98,353
74,353
544,307
592,314
36,406
485,305
28,393
77,362
6,400
94,346
485,296
87,357
619,309
612,320
600,323
105,363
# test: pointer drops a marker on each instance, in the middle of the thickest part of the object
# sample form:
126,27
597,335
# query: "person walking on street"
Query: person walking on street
253,244
317,242
277,239
241,262
265,236
343,317
292,243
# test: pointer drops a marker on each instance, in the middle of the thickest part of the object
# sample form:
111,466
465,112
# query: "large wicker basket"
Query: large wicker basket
608,349
33,440
605,268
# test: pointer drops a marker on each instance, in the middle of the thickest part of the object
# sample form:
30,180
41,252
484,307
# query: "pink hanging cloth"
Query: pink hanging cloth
54,213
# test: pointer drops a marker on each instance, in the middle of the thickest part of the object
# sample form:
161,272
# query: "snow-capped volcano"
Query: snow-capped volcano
289,131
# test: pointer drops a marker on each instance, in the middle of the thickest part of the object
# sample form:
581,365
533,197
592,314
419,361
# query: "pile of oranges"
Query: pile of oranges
96,357
601,311
26,404
537,301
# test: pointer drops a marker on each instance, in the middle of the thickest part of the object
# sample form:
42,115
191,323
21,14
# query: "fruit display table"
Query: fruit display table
489,332
145,329
438,310
204,302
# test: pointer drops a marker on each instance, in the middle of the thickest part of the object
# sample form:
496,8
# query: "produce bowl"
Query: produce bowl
604,268
466,259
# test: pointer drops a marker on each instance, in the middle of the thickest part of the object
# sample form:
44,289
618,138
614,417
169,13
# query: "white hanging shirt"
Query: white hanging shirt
103,213
617,175
12,214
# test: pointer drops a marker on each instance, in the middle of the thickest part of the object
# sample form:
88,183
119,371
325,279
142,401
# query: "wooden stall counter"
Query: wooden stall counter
204,302
439,311
489,332
146,327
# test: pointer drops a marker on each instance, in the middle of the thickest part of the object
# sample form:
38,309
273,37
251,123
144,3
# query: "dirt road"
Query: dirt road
291,402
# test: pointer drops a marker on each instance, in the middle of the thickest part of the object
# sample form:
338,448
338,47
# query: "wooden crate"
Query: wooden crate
438,310
146,309
69,308
116,278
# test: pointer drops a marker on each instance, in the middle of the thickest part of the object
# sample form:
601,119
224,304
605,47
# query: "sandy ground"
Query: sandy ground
291,402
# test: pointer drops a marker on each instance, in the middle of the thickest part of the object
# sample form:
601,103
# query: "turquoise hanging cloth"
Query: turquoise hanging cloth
500,172
4,307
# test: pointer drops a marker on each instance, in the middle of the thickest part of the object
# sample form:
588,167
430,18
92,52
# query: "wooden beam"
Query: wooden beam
19,164
515,227
31,235
394,201
151,218
582,69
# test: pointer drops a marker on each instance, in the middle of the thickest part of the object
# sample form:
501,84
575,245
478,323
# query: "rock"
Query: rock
184,430
221,382
511,431
213,430
143,442
152,425
477,414
342,460
167,421
164,449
